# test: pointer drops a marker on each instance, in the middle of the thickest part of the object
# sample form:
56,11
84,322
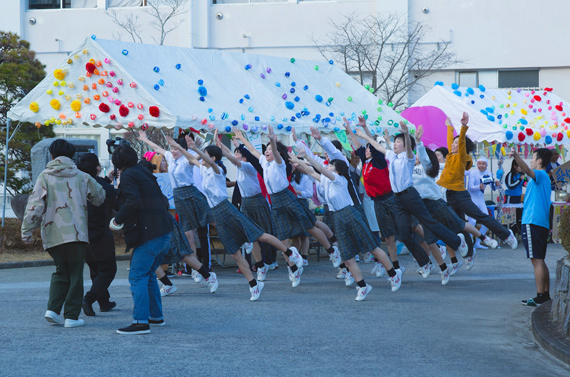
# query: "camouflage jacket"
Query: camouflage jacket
59,204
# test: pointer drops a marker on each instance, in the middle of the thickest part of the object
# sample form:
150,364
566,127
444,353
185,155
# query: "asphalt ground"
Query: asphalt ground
474,326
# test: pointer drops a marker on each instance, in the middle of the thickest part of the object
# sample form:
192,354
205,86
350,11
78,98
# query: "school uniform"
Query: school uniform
288,217
234,228
191,205
304,191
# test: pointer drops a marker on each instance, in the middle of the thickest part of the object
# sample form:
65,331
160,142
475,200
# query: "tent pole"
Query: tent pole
8,122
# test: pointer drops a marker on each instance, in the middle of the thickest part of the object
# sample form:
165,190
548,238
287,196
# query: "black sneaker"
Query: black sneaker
88,309
156,322
108,307
135,329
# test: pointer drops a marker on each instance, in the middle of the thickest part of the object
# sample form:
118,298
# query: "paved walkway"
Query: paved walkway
475,326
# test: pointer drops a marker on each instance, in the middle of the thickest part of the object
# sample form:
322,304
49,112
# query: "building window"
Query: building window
468,79
44,4
64,4
524,78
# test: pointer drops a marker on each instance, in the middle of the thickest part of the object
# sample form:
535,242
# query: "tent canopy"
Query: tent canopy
116,84
503,115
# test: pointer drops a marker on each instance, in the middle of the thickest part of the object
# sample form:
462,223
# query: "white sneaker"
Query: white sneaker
341,273
425,270
368,257
469,262
53,318
490,242
334,257
273,266
262,272
445,275
305,262
443,251
512,240
247,247
348,279
373,272
396,280
361,293
356,258
479,245
419,270
402,269
295,277
167,289
213,282
73,322
196,276
455,267
296,257
256,291
380,271
463,249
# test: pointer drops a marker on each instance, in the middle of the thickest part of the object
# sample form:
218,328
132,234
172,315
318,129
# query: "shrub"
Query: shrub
564,230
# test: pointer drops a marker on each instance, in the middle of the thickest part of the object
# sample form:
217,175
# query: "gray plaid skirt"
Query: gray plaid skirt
257,210
288,217
327,217
444,214
305,204
234,228
352,232
179,246
386,217
192,208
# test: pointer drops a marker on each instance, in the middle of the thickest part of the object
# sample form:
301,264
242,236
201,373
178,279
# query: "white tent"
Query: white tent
203,89
504,115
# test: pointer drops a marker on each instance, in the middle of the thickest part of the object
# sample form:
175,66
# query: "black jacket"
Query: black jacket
142,208
99,217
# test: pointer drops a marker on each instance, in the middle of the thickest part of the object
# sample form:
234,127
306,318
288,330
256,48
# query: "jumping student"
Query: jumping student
535,220
288,217
303,186
453,179
408,202
353,235
234,228
476,189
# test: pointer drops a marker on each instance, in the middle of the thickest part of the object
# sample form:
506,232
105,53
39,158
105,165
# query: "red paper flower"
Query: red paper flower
154,111
548,89
566,120
537,97
529,131
104,108
90,67
558,107
123,110
521,136
112,117
559,137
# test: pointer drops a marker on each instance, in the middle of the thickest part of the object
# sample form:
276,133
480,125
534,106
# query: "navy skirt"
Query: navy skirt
234,228
385,216
445,215
179,246
352,232
305,204
257,210
327,217
192,208
288,217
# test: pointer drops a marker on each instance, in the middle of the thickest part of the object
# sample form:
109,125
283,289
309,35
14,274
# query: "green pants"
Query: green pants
67,280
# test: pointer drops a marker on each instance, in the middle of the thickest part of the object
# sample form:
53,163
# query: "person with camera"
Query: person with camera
478,180
100,255
147,226
58,204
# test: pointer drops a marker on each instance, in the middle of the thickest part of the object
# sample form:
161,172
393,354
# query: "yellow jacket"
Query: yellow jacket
453,174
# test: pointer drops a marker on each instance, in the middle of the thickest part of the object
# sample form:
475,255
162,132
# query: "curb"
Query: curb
48,262
548,335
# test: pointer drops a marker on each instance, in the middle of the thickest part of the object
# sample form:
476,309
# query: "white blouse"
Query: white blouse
214,186
180,171
336,192
247,180
305,187
274,175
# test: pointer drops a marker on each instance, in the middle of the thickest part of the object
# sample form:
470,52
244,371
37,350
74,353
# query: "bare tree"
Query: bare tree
385,52
163,13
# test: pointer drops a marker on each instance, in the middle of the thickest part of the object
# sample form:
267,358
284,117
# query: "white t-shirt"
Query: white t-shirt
214,186
180,171
274,175
426,186
247,181
336,192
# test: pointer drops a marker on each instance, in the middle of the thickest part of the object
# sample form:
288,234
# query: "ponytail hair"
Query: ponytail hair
342,169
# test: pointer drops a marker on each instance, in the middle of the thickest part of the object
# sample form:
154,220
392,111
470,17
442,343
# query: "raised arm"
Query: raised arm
332,151
191,159
273,142
241,137
421,149
205,157
320,168
226,152
362,123
372,142
155,147
304,167
405,131
524,167
355,140
461,144
449,132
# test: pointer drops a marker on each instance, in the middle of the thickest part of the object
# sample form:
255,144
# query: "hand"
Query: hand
465,119
419,133
316,133
302,153
293,157
362,121
190,142
346,125
236,141
217,139
270,134
142,135
404,127
294,134
482,186
512,153
448,122
111,174
238,134
171,142
387,137
360,133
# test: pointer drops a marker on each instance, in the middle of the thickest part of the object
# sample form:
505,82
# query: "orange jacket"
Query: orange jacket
453,174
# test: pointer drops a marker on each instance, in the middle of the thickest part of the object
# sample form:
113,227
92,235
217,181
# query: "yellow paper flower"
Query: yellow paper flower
54,103
76,105
59,74
34,107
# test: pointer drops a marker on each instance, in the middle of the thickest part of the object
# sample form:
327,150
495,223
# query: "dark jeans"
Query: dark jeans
67,281
410,203
462,204
100,258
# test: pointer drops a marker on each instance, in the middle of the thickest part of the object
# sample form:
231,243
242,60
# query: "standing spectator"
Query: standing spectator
147,225
100,256
58,204
551,166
